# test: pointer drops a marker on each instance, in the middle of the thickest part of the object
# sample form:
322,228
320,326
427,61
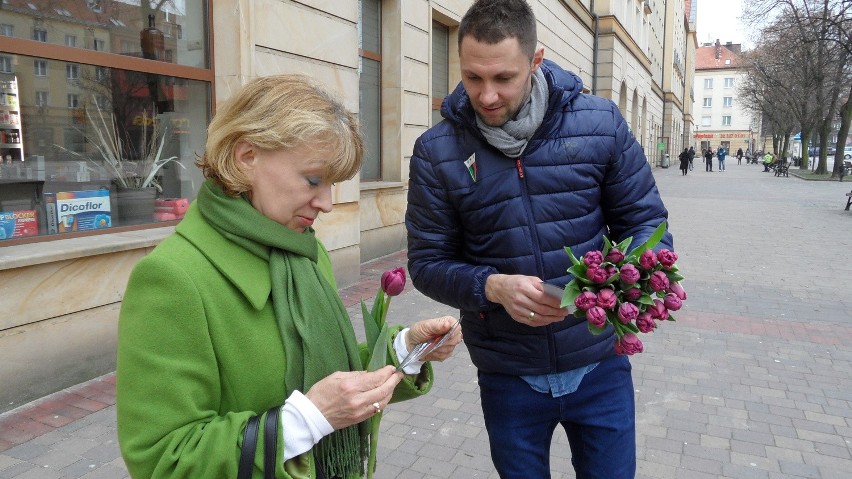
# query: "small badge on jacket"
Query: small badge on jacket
470,163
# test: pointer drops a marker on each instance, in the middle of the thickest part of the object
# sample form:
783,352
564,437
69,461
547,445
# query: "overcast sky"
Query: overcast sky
721,19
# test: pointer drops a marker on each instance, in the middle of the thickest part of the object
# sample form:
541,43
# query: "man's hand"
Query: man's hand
524,299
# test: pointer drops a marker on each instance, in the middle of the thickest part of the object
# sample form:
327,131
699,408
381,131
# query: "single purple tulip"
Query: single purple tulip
597,316
607,298
648,260
586,300
658,281
593,258
667,258
615,256
672,302
627,313
628,344
645,323
597,274
393,281
611,271
677,289
629,274
658,310
633,294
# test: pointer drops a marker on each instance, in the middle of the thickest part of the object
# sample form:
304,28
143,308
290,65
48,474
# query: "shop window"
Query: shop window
369,86
58,146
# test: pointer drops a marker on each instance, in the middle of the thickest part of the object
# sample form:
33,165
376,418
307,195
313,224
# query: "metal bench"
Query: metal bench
782,169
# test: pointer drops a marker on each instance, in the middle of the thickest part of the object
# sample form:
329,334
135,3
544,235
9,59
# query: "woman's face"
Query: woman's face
287,185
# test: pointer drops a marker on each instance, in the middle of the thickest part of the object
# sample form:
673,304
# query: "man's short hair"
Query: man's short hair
492,21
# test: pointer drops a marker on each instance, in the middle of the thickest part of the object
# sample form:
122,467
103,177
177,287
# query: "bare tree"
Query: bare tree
816,34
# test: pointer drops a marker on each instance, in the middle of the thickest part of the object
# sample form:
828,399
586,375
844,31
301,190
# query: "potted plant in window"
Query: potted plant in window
133,168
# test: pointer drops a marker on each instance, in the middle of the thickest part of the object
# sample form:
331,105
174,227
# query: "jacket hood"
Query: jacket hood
563,86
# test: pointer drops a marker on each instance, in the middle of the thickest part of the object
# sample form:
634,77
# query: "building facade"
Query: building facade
84,67
720,118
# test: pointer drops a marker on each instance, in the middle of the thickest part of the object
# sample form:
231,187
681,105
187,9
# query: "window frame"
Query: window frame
371,56
726,120
708,102
708,83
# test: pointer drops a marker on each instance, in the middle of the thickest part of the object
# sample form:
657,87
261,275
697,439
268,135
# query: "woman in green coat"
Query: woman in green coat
236,315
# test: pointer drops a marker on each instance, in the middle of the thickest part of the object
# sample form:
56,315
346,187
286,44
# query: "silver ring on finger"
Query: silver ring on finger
377,407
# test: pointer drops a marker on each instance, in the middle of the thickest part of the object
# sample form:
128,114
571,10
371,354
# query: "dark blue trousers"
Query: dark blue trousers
598,418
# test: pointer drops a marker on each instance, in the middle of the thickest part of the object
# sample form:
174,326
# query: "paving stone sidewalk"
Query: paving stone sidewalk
752,381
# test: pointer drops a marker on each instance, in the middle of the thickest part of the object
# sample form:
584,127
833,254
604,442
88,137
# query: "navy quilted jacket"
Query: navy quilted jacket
582,176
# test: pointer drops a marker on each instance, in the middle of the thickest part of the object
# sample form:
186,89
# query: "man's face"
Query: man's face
497,78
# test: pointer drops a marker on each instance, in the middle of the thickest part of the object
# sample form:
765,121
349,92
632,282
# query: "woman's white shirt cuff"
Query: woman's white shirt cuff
400,345
303,425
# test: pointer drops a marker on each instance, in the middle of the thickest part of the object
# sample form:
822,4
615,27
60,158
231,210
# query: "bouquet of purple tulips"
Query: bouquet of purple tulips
629,291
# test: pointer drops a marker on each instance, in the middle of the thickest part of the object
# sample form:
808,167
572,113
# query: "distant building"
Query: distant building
721,119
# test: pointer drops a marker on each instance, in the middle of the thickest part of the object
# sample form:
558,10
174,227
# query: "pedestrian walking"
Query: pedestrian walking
739,156
684,161
691,157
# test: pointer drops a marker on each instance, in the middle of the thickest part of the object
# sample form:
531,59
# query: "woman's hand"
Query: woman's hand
429,329
347,398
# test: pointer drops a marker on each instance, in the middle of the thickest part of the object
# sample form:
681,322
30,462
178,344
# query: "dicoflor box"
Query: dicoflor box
69,211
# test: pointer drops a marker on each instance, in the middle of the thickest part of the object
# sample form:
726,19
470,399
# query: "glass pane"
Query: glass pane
371,26
172,31
67,154
440,55
370,117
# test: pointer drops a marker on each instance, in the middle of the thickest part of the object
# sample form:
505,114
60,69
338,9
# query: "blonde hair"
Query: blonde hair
281,112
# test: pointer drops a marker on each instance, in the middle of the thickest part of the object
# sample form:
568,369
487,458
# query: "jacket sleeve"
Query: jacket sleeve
630,199
435,241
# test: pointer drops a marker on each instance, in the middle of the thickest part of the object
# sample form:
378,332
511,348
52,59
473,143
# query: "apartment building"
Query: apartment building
721,118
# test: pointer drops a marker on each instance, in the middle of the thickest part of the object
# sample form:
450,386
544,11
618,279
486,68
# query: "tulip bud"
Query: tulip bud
393,281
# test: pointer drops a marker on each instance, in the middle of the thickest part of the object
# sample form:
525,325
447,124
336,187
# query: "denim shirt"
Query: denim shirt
559,384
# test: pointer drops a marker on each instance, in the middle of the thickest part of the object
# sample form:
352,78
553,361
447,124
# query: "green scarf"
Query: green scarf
309,311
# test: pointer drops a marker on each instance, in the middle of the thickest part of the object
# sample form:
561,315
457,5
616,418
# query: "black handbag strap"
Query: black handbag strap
270,442
249,446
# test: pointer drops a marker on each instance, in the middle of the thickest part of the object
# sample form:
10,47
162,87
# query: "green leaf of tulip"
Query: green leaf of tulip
652,241
379,355
371,329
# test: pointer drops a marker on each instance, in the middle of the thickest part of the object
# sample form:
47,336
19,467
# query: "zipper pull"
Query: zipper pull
520,168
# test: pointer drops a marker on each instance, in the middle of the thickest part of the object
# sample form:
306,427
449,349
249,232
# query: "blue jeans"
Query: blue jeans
598,418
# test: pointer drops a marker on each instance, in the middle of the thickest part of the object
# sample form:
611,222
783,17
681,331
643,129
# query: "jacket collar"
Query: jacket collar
247,272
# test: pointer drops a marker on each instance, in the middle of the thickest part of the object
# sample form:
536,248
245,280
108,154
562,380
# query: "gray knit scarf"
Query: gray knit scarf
512,137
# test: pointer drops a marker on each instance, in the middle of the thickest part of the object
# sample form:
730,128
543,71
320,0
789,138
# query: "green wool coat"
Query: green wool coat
199,353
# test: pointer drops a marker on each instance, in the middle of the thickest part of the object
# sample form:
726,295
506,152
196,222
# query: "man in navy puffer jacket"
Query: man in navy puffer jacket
522,165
